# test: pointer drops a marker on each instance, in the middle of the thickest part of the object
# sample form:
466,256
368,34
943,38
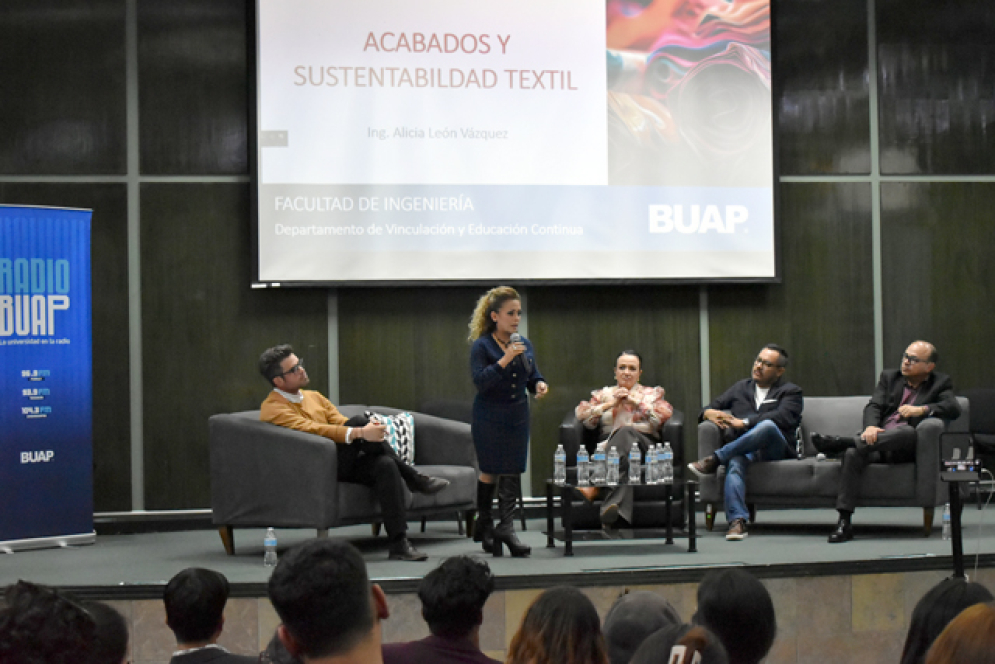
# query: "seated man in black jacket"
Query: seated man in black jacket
902,399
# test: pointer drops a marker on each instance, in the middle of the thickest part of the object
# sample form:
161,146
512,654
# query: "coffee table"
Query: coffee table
565,493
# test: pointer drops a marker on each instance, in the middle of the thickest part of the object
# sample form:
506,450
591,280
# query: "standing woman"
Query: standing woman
502,371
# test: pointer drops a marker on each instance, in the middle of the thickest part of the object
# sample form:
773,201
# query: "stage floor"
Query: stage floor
781,543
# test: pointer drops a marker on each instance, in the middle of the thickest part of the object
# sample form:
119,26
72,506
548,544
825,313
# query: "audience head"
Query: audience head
561,625
935,610
681,644
481,322
110,636
323,595
195,604
968,639
43,625
738,608
453,596
632,618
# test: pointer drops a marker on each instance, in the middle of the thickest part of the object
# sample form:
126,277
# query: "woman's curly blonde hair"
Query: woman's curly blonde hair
492,300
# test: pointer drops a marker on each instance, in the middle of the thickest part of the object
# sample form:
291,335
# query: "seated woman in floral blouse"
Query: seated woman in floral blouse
631,414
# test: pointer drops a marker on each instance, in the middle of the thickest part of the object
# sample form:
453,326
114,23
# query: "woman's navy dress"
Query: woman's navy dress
501,409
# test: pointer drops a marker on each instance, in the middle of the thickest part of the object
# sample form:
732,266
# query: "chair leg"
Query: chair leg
459,522
521,506
376,525
753,512
322,533
228,539
423,522
927,520
709,516
471,518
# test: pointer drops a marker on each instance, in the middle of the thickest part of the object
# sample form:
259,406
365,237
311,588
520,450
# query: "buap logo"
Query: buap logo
41,456
696,218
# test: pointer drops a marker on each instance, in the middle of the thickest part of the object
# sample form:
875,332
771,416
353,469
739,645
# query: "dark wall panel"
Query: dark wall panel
936,80
822,313
62,98
937,262
109,285
193,86
822,97
578,332
402,347
203,329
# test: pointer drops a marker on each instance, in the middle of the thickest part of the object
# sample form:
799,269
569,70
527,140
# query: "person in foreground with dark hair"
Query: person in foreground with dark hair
363,456
758,419
632,618
41,624
681,644
630,414
453,597
330,610
737,607
560,627
903,398
935,611
110,636
968,639
195,604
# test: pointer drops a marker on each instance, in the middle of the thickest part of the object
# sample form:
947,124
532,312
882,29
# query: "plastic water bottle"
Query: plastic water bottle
598,461
560,466
667,464
652,467
946,522
583,468
613,467
269,543
635,459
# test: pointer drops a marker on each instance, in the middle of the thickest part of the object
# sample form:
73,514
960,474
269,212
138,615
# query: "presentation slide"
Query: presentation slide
527,141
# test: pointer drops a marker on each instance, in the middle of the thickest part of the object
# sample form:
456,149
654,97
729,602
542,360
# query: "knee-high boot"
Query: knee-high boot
504,533
483,527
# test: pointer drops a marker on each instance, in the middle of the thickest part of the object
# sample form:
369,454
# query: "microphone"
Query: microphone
516,338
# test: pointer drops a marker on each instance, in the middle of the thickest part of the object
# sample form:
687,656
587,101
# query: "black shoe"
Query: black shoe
505,536
832,445
403,550
483,532
428,485
843,533
609,515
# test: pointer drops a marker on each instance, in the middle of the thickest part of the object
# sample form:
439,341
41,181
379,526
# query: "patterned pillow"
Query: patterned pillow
400,433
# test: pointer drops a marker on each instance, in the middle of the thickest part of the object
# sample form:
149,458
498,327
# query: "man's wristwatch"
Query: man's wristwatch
746,422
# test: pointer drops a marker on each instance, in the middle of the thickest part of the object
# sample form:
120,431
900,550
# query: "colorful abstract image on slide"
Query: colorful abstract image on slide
689,92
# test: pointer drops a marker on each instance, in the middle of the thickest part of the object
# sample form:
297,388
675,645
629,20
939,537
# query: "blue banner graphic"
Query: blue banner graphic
46,398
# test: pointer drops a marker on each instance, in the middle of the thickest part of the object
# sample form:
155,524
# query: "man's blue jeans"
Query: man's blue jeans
764,442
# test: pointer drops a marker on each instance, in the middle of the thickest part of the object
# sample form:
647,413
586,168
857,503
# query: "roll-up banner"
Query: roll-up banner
46,386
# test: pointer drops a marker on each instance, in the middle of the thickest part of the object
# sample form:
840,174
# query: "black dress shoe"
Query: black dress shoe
843,533
427,485
832,445
403,550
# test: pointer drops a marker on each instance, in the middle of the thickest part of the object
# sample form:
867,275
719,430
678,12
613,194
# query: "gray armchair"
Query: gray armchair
807,482
265,475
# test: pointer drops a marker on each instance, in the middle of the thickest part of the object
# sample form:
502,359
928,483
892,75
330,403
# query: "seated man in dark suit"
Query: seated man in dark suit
902,399
758,418
452,598
195,603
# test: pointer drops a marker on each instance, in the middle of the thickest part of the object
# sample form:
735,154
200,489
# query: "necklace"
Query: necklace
502,344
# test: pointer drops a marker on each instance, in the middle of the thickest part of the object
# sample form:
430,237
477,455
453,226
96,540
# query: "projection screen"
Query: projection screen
447,141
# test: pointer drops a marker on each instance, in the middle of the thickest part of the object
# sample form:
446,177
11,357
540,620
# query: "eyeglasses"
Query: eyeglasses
912,358
294,369
769,365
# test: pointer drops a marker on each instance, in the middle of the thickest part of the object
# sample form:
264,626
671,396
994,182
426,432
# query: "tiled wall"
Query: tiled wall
821,620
